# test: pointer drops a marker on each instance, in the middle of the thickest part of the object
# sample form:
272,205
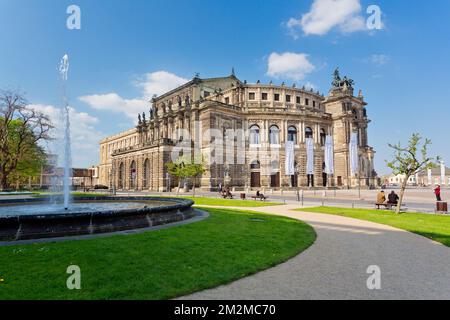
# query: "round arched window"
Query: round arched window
292,134
308,133
254,135
274,135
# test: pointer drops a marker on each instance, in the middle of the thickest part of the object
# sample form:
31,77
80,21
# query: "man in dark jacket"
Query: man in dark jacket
393,198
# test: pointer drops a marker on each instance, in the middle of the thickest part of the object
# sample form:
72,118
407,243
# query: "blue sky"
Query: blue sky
127,50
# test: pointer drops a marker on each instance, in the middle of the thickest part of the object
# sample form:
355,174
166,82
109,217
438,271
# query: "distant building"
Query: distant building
400,178
436,178
422,178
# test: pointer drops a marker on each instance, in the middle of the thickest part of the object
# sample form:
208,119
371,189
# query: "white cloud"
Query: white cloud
155,83
112,102
379,59
159,83
289,65
84,134
325,15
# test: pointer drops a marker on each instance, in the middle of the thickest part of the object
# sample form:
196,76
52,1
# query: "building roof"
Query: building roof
436,171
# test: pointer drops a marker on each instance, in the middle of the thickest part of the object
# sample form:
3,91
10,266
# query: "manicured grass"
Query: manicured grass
202,201
155,265
435,227
199,201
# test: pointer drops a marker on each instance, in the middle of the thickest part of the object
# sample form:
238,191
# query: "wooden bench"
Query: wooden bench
260,198
390,206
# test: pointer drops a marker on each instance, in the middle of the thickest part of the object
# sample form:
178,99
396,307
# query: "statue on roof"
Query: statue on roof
144,121
336,78
139,119
340,83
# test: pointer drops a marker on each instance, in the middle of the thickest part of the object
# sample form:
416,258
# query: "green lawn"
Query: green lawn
435,227
203,201
155,265
199,201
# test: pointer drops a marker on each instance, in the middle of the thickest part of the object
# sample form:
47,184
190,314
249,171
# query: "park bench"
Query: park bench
259,197
390,206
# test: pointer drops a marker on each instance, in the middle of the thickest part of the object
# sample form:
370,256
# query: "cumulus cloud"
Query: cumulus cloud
289,65
84,134
155,83
325,15
112,102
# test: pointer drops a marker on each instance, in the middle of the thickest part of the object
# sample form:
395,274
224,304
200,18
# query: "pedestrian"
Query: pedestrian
437,192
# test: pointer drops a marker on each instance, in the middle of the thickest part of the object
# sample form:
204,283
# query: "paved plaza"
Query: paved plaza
335,267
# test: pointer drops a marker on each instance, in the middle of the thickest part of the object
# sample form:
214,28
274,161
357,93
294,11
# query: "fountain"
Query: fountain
35,218
64,71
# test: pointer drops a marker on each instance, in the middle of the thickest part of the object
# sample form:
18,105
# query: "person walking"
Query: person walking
437,192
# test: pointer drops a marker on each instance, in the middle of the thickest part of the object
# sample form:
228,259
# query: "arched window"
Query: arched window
254,135
121,175
292,134
274,135
308,132
133,175
255,165
146,174
275,166
323,136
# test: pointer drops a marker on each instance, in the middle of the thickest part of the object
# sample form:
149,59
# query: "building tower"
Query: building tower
349,115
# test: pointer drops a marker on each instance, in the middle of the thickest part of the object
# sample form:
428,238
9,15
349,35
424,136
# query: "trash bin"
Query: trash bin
442,207
243,196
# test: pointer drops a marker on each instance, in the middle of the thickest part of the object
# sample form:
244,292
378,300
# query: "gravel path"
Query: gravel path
335,267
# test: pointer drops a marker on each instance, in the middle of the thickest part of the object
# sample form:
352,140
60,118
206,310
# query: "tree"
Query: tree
21,130
184,168
179,170
407,163
195,170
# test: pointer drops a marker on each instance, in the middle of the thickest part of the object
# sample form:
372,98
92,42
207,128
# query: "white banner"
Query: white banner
329,155
354,157
290,158
443,173
309,156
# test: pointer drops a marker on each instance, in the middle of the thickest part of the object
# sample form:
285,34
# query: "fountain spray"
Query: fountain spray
64,70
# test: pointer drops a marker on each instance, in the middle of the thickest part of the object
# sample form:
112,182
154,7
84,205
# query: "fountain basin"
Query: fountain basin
18,221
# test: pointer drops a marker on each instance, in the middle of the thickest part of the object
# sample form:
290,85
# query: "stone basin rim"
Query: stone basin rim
175,204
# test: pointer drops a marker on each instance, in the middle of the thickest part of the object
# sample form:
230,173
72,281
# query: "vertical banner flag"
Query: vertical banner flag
290,163
429,178
329,155
442,172
309,156
354,159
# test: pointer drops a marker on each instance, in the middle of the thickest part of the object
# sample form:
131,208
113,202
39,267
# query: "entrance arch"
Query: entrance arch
121,175
255,174
146,175
133,175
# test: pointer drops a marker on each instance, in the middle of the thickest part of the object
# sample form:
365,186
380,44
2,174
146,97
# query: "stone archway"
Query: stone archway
133,175
146,174
121,179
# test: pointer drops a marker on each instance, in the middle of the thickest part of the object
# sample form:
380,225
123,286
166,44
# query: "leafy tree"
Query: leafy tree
21,130
195,170
184,168
179,170
406,161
